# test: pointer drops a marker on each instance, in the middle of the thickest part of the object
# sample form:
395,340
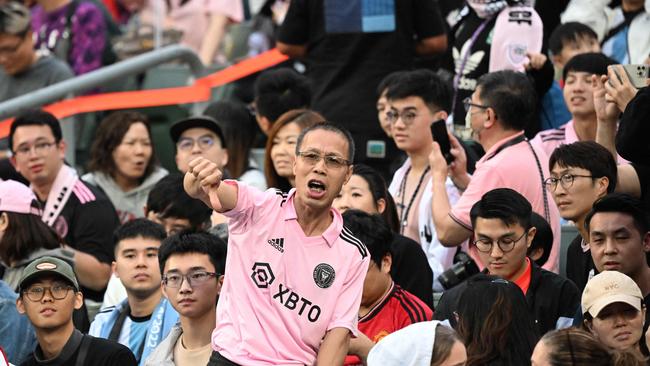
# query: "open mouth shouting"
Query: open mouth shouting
316,189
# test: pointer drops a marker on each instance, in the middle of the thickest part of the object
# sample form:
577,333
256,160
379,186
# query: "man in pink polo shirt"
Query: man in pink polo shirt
497,113
295,274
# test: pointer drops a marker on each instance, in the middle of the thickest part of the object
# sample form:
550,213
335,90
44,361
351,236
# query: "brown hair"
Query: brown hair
109,136
575,347
445,340
25,234
303,118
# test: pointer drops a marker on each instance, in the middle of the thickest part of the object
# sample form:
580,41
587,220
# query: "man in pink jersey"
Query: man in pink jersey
295,274
497,113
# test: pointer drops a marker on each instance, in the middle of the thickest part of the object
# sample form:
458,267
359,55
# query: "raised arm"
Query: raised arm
203,181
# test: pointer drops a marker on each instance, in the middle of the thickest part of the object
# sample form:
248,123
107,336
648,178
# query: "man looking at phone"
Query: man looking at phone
416,100
497,112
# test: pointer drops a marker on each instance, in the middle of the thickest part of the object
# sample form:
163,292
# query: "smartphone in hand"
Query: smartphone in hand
440,135
637,74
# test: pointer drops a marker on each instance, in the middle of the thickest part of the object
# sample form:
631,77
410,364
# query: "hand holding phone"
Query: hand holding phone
441,136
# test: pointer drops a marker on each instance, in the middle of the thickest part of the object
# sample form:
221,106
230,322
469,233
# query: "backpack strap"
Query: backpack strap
83,350
114,335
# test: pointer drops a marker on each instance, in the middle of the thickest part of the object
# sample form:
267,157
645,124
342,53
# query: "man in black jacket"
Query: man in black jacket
502,234
48,293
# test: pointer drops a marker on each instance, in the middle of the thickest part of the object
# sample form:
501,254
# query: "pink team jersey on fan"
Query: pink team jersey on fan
283,291
511,167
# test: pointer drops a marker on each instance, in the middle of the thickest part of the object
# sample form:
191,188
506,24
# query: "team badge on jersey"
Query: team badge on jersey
324,275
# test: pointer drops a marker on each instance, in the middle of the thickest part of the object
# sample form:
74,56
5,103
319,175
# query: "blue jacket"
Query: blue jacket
163,319
17,336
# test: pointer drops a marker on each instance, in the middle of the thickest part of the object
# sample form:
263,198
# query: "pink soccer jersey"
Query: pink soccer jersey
283,291
514,167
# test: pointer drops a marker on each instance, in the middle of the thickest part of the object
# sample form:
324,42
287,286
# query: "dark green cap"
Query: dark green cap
48,265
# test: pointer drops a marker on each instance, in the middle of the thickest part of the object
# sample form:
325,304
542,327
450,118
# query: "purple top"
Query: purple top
88,34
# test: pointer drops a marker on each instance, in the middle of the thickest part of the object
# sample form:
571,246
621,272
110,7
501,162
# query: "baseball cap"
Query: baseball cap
17,197
609,287
48,265
15,18
197,121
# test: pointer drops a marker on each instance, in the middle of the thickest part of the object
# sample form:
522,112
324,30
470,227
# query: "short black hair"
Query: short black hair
511,95
372,231
280,90
422,83
187,242
622,203
36,117
571,32
505,204
138,228
169,199
387,81
326,126
543,238
588,155
592,63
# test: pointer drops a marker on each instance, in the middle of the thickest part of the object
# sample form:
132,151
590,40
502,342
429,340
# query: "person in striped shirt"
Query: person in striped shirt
385,306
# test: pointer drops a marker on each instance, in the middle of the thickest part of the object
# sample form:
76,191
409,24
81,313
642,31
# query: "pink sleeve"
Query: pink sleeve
483,180
251,205
346,314
233,9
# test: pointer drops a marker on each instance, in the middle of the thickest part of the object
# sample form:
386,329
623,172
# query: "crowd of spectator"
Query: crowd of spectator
321,219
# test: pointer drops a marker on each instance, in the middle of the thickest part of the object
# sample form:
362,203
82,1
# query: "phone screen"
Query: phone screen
439,133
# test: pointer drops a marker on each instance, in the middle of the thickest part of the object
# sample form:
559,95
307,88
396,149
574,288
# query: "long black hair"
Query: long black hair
494,323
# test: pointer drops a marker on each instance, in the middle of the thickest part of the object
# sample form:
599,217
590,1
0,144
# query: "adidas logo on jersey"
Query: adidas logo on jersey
277,244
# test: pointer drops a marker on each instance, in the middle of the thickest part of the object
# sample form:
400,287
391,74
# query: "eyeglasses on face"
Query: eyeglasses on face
332,161
39,148
187,144
194,279
467,103
566,180
58,292
506,244
408,117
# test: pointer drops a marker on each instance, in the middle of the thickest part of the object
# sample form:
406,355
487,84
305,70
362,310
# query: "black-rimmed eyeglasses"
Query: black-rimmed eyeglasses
467,103
566,180
58,292
506,244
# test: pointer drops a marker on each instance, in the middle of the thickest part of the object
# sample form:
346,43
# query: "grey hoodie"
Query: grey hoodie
129,205
163,355
13,274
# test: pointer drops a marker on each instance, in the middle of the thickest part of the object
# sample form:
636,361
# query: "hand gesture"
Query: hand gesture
437,163
202,181
536,60
606,111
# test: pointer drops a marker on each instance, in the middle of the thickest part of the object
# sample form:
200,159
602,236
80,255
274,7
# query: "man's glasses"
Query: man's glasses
566,180
467,103
39,148
331,161
58,292
196,278
187,144
506,244
407,117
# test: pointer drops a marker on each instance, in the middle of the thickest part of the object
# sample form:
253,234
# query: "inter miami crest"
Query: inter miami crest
324,275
